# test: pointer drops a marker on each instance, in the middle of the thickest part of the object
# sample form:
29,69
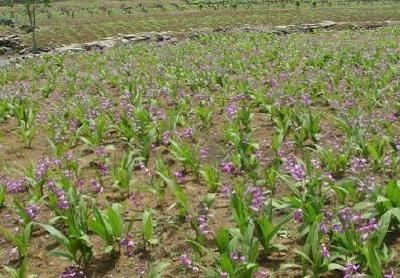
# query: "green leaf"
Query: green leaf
222,241
156,269
11,271
56,234
178,192
115,220
62,254
147,225
334,266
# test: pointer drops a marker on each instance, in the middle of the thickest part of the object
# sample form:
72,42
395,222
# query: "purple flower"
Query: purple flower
337,228
224,274
62,201
261,273
306,100
72,272
358,165
226,189
179,176
60,194
17,186
140,269
68,155
236,257
324,227
273,83
391,275
166,137
135,200
129,243
202,219
325,251
187,263
32,211
68,174
97,186
387,161
257,198
298,216
350,269
316,163
228,167
100,152
231,111
368,228
204,153
298,172
103,170
188,133
42,167
345,214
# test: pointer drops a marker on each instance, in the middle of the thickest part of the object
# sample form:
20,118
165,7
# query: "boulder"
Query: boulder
100,45
69,48
326,24
391,23
4,50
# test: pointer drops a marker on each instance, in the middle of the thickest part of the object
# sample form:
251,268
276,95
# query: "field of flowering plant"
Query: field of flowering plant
230,155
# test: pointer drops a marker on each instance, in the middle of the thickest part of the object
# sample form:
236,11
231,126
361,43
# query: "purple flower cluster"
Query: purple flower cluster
226,189
103,170
306,100
17,186
298,172
130,245
257,198
358,165
325,251
69,175
227,167
365,227
368,228
126,104
42,167
32,211
237,257
59,193
156,113
187,133
166,138
295,169
185,261
135,200
202,220
72,272
298,216
204,153
231,111
350,270
179,177
96,186
100,152
261,273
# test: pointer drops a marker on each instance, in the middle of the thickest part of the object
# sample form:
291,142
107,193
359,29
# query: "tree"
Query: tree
31,7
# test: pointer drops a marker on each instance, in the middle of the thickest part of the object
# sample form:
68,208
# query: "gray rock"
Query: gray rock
4,63
326,24
129,36
391,23
69,48
4,50
100,45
